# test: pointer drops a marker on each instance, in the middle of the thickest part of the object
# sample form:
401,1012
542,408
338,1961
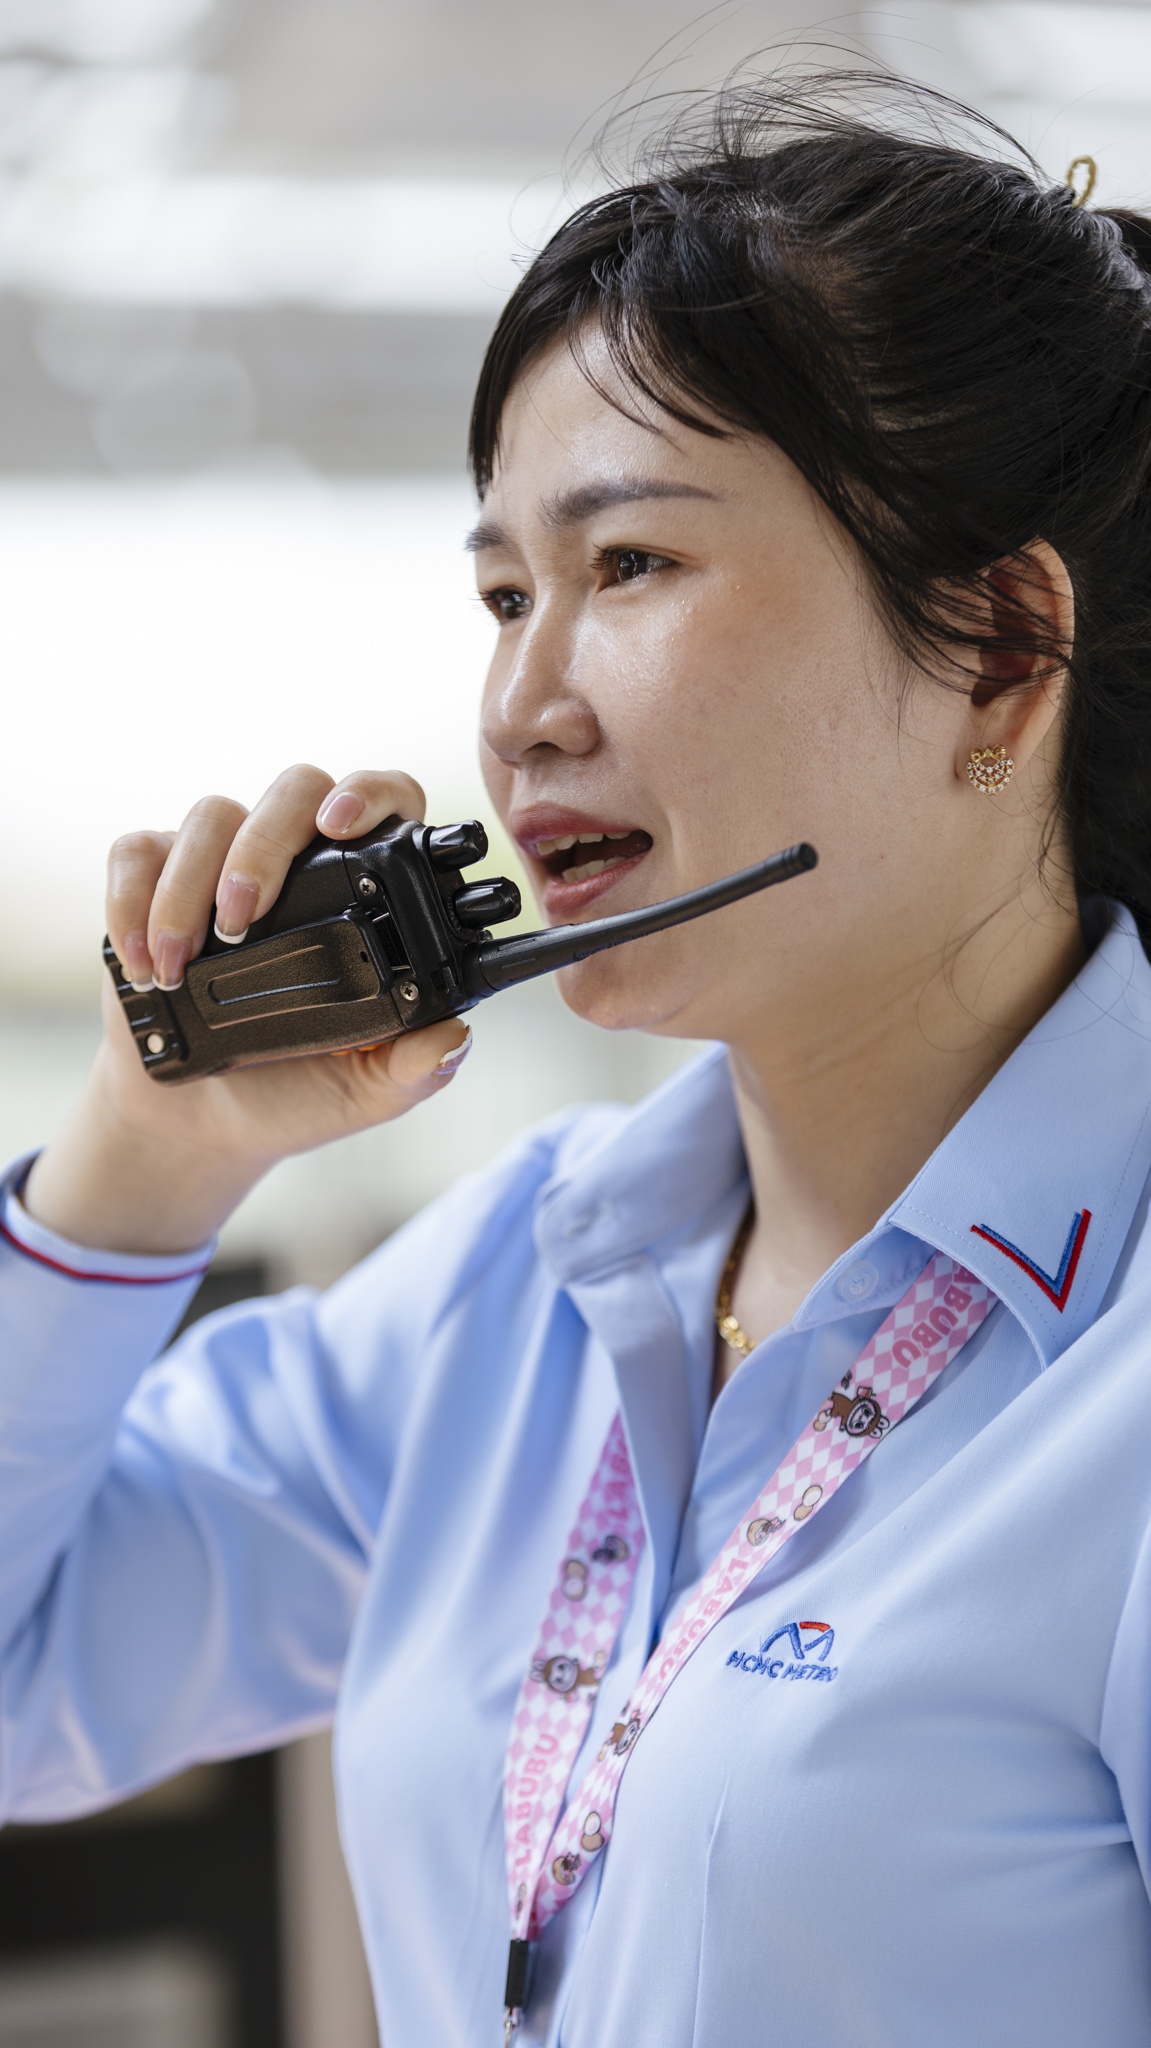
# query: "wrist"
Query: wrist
110,1185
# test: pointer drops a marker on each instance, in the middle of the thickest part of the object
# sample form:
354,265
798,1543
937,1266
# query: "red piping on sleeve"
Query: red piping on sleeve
101,1279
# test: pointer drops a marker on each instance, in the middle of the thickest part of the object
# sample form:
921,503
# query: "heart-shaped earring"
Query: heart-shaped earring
989,769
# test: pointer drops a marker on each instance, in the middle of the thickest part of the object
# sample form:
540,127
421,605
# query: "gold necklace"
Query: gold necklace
729,1326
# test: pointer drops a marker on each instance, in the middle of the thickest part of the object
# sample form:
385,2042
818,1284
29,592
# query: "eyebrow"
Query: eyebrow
583,501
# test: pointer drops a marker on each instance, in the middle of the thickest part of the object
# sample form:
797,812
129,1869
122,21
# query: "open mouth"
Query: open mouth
581,856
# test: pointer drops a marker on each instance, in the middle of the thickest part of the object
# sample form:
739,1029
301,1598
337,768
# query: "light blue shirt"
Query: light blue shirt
355,1503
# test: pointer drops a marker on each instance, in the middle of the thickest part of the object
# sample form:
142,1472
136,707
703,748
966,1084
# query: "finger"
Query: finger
135,864
273,833
364,800
386,1080
430,1057
182,904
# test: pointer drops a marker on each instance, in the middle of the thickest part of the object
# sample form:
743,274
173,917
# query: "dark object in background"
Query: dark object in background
372,939
159,1919
226,1281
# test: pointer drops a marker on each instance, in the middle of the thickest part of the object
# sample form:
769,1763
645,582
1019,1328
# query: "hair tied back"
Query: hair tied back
1081,163
951,345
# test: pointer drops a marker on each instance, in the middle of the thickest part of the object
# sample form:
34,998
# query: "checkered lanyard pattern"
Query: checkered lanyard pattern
925,1330
584,1614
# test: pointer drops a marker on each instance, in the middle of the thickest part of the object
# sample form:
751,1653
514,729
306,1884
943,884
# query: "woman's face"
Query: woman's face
690,674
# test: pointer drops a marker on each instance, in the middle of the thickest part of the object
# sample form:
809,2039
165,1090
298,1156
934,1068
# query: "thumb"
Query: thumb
422,1061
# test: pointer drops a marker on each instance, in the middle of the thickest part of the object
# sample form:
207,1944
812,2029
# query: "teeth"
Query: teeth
593,867
546,847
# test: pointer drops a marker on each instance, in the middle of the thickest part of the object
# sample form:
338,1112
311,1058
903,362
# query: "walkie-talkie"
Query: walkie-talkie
373,938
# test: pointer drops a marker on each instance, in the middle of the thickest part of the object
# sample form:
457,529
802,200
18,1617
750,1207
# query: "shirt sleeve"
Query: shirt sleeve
76,1330
1125,1730
184,1544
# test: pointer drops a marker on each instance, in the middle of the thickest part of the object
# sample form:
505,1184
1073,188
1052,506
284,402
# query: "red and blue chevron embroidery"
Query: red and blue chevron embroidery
1058,1289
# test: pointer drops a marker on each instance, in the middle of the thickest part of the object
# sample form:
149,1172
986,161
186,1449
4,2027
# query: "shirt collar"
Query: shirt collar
1034,1190
660,1166
1036,1187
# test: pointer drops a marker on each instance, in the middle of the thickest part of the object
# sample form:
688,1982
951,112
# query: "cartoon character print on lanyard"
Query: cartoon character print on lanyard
584,1612
549,1852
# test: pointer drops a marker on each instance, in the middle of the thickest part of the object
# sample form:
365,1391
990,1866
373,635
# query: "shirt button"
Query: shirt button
602,1213
858,1282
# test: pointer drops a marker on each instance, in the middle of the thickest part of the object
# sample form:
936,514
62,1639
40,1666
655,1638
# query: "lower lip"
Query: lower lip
564,901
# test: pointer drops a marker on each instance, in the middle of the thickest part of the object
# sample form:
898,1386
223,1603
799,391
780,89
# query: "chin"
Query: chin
615,992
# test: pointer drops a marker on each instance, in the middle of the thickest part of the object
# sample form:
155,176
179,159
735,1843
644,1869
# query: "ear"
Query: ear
1018,689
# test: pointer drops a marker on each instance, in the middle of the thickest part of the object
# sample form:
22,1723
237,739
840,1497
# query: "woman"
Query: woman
815,504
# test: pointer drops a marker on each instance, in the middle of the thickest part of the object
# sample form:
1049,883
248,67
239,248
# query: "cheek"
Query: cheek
720,702
789,714
497,781
680,686
498,775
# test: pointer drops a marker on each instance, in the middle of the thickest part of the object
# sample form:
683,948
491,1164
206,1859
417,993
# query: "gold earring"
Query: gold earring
989,769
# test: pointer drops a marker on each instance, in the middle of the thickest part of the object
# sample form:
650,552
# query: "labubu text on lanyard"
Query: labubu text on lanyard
550,1846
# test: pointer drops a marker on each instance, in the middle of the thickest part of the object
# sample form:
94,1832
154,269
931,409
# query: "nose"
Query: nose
534,702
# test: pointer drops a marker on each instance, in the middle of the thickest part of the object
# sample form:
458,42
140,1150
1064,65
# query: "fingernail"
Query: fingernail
137,961
235,906
340,812
169,959
451,1060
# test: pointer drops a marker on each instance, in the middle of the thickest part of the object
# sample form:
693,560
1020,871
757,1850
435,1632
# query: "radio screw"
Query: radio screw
409,991
155,1041
367,887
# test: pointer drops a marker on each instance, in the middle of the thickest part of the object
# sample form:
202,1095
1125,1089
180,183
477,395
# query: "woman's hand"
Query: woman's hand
143,1168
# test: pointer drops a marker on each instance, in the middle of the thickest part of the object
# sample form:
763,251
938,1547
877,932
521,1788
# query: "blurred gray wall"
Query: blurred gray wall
191,113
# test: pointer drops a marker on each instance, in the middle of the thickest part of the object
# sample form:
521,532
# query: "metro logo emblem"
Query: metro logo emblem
810,1644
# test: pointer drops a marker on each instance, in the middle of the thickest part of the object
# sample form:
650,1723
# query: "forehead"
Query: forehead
570,419
577,439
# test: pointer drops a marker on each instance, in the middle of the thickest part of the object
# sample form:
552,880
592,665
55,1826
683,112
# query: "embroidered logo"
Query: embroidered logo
809,1645
1057,1289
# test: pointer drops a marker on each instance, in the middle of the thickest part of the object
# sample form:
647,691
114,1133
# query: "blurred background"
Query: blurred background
250,254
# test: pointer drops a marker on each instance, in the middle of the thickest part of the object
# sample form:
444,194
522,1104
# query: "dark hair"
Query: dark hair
954,354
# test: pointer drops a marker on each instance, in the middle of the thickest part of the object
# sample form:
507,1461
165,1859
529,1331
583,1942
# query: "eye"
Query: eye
625,565
507,605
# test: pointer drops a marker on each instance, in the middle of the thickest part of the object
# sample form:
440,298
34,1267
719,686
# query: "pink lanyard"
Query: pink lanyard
549,1851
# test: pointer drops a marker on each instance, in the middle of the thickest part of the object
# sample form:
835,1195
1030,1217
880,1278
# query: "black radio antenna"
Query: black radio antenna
503,962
